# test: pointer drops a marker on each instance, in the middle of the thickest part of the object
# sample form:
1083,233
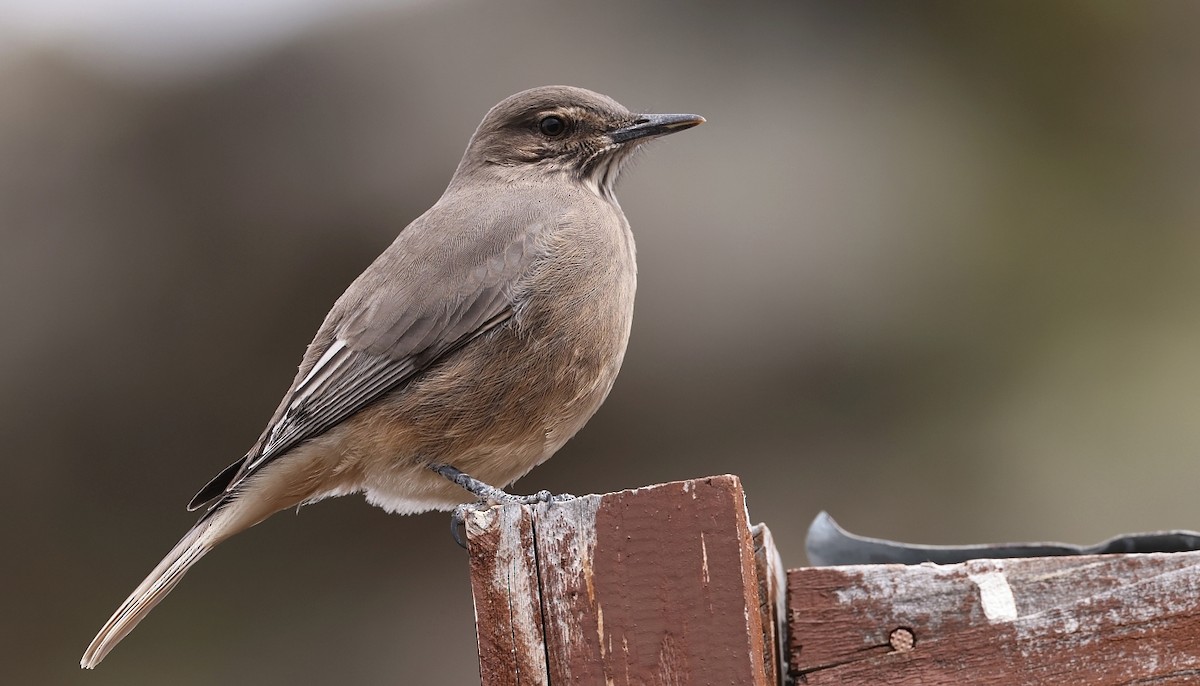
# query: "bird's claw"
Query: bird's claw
458,520
539,497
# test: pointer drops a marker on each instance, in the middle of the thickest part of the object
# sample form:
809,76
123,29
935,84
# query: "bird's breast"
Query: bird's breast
511,398
574,314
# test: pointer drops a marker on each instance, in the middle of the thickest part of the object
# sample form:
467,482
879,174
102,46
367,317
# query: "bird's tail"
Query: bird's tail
213,528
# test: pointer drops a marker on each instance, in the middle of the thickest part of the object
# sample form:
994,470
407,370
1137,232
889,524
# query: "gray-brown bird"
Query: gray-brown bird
469,352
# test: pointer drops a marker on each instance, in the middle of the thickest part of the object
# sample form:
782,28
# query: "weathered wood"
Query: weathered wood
772,596
509,624
656,585
1096,620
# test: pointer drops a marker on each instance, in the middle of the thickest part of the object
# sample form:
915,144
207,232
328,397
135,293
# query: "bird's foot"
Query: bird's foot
488,495
492,495
539,497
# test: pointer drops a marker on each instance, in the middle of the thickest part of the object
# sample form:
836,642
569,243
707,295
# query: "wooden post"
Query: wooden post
658,585
1098,620
669,586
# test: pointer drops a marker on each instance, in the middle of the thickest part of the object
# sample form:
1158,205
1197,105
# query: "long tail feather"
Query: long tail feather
272,489
156,586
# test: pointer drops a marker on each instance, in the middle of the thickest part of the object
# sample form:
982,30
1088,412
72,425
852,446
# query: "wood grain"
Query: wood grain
653,586
512,649
1091,620
772,599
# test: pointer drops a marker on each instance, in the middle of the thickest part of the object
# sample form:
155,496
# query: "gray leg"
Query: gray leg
491,494
487,494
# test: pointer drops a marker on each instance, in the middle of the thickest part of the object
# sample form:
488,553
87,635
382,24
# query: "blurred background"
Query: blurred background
933,267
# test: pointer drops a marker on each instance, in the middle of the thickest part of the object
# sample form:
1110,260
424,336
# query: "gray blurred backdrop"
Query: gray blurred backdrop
933,267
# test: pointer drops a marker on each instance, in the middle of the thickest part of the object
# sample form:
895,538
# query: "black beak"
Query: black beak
650,125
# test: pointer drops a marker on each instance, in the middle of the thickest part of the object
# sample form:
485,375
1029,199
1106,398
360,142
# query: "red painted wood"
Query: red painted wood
508,623
1096,620
657,585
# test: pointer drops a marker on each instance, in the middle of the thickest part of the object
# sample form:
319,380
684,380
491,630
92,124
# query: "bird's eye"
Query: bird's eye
552,126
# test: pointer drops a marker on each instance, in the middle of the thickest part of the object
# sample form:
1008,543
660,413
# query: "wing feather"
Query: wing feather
399,318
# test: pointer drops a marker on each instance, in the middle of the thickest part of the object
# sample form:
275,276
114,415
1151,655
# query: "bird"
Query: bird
481,340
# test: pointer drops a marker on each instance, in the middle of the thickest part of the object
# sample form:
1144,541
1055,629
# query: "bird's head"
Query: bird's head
556,130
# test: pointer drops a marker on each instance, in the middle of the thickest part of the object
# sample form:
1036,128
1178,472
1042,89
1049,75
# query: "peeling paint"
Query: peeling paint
504,581
995,595
905,594
616,585
600,626
1112,619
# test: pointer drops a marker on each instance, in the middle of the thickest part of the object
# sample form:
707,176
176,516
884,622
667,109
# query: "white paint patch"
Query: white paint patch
704,560
482,519
995,595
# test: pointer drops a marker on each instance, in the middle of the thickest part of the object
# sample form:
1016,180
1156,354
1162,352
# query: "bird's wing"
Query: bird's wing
403,314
